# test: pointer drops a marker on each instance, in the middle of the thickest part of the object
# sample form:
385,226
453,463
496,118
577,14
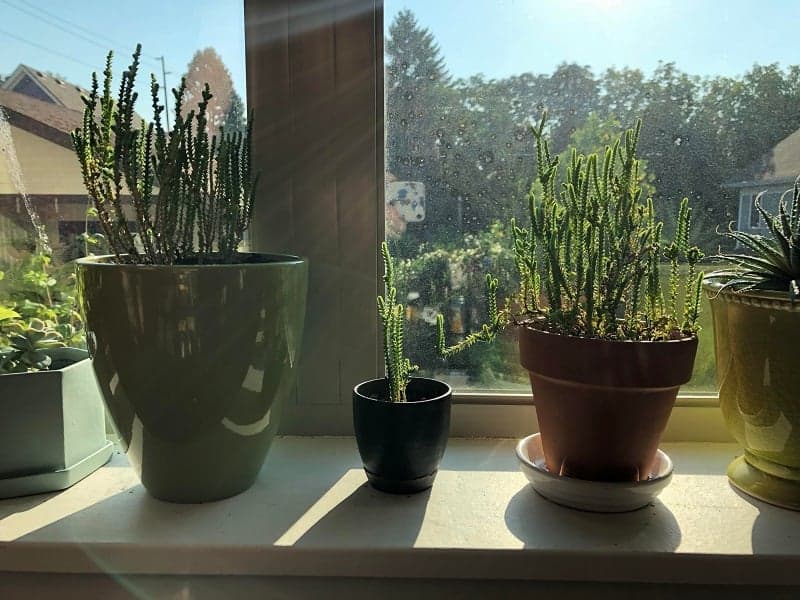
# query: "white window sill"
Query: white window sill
311,514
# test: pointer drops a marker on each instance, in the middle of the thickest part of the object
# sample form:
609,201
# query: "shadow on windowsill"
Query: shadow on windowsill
540,523
776,530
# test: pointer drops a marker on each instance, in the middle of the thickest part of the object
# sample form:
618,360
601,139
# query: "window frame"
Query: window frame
315,84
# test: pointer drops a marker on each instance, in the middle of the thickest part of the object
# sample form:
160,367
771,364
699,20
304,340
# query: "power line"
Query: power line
70,23
56,25
46,49
50,22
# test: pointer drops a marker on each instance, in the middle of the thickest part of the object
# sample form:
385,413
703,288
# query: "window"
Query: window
322,206
463,81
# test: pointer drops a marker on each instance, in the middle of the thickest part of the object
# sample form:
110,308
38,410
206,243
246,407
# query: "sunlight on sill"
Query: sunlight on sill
20,517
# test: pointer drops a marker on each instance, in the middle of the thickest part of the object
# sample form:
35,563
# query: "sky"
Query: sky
72,37
494,37
703,37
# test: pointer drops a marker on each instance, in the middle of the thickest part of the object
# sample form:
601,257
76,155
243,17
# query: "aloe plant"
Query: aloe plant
774,262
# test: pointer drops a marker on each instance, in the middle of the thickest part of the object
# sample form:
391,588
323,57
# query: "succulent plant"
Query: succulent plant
589,260
393,316
205,188
27,344
774,262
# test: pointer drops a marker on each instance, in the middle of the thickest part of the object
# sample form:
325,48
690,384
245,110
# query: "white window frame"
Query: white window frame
315,83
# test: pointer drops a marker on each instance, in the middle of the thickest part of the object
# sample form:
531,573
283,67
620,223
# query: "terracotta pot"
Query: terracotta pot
603,405
755,337
402,443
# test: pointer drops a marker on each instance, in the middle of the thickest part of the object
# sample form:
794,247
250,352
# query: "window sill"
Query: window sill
311,514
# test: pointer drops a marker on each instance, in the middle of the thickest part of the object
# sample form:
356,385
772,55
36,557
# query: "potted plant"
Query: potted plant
606,351
195,343
52,433
756,315
402,422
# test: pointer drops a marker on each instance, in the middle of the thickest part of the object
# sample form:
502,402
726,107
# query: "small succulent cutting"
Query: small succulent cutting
393,315
773,262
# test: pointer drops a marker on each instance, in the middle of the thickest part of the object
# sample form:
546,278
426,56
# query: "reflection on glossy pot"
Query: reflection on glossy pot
759,390
194,363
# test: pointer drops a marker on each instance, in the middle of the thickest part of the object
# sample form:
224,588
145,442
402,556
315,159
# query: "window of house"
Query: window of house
463,82
755,217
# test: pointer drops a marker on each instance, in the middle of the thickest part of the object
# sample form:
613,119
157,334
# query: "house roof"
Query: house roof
57,90
780,165
44,119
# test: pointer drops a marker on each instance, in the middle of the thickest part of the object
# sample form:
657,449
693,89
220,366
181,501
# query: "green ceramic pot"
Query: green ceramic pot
194,362
756,335
52,433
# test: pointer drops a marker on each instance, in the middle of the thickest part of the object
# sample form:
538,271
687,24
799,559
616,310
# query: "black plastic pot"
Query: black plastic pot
402,443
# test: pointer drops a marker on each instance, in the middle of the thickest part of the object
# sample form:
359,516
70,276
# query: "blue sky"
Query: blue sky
34,32
704,37
495,37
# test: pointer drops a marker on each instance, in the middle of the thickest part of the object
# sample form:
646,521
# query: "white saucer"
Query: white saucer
595,496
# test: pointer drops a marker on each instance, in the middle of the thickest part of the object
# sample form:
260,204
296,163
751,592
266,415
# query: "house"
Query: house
774,175
45,87
42,110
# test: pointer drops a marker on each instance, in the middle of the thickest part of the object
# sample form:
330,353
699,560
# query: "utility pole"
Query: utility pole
164,74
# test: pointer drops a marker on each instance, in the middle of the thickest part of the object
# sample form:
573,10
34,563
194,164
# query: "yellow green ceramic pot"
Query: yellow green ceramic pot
758,374
194,362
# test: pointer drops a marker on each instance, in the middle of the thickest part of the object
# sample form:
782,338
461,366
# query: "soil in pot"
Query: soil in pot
402,443
602,405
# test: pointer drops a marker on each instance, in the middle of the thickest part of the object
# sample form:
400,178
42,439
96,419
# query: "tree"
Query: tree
486,153
206,67
571,94
674,144
236,117
419,101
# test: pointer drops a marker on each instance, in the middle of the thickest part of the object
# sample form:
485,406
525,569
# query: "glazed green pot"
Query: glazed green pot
758,375
194,362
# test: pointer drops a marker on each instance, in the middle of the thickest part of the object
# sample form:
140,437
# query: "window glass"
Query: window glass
49,53
465,79
755,218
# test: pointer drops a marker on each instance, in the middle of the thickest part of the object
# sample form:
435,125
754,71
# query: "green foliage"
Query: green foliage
23,346
36,291
588,262
205,194
449,279
7,313
236,117
468,137
774,262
